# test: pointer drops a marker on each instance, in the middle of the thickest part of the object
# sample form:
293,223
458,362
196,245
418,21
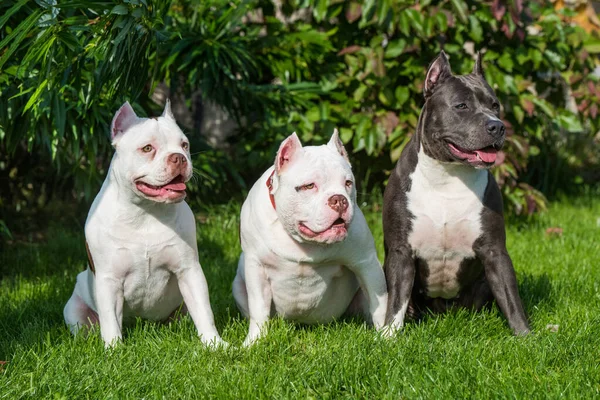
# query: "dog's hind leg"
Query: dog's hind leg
78,315
240,293
359,306
76,312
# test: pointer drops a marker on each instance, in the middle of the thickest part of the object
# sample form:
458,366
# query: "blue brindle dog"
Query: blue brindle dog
445,244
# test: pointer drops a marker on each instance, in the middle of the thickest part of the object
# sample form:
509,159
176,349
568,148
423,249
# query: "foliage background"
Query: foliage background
278,67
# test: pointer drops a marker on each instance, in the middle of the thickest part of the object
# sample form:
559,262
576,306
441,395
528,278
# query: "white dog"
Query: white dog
308,254
141,235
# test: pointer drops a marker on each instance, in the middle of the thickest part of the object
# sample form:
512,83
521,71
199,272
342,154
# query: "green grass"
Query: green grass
456,355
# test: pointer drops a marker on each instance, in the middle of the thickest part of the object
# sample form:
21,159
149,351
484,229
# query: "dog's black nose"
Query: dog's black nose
338,203
495,128
177,158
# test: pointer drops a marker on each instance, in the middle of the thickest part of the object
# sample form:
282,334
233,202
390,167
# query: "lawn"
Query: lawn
456,355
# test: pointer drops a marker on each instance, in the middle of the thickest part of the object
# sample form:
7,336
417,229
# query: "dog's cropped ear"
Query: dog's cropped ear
478,68
335,143
167,113
289,149
124,118
438,71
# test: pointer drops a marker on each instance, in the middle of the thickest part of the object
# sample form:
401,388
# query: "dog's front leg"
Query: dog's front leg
372,282
400,270
109,301
259,298
194,291
501,277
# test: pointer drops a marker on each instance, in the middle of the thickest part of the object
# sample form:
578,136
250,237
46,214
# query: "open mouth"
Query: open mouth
172,190
338,222
339,226
486,155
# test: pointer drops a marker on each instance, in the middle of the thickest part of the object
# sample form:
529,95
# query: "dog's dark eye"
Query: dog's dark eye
348,183
147,148
306,187
461,106
185,145
496,106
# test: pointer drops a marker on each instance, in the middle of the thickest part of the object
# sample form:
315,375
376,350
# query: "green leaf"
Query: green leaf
325,110
314,114
69,40
428,26
346,135
544,105
518,113
368,12
570,122
592,44
34,97
370,140
384,7
359,92
320,11
460,7
137,13
536,56
506,62
7,14
475,32
386,97
18,35
402,94
404,23
120,9
395,48
442,21
554,58
416,20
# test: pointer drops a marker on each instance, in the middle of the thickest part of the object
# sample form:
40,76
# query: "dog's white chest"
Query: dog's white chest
446,203
311,293
150,288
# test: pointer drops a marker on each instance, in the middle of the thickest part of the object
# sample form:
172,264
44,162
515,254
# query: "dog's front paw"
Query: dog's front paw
250,340
522,332
112,343
389,331
213,341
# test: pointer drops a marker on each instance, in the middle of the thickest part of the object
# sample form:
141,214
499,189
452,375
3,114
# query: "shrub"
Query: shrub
66,66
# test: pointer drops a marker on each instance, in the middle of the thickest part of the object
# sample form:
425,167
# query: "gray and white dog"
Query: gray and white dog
442,214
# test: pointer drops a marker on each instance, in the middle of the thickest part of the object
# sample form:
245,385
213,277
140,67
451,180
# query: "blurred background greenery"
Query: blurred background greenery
242,75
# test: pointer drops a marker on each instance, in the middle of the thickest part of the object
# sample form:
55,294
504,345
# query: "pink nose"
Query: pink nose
177,158
338,203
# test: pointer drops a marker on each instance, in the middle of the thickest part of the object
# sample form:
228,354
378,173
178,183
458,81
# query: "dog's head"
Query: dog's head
152,155
460,121
314,190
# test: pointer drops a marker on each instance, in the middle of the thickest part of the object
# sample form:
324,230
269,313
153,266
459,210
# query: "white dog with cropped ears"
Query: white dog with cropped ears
308,254
141,235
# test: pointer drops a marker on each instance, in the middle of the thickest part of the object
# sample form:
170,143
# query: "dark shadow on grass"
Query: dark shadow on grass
536,291
39,312
350,320
61,250
28,323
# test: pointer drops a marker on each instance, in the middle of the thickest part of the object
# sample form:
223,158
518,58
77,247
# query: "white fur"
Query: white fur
398,320
446,202
145,252
280,271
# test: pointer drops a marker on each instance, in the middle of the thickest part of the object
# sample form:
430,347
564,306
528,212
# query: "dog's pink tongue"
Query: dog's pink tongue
487,155
178,186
